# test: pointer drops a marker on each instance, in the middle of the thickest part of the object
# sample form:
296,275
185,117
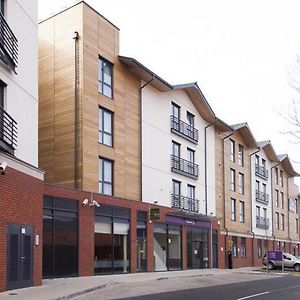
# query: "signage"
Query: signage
189,222
275,255
230,243
154,214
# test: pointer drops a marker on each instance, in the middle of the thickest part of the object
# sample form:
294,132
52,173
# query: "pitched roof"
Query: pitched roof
269,150
246,133
287,165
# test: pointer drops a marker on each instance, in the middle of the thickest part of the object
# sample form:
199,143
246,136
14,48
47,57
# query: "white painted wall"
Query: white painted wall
269,164
21,100
157,149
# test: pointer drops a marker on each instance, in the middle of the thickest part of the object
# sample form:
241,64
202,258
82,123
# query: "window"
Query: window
105,176
264,188
191,155
296,205
281,178
232,150
191,121
259,248
243,247
277,220
242,211
176,187
277,245
257,185
241,155
276,175
266,244
282,221
297,225
105,77
2,7
176,149
276,198
256,160
257,211
190,191
241,183
282,199
176,111
263,163
232,180
233,209
105,127
234,246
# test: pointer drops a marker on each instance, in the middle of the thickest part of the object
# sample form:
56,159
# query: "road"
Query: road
287,287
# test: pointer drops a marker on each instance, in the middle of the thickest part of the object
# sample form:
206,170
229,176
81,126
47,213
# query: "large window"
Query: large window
259,248
105,77
282,199
241,155
282,222
241,183
60,237
234,247
191,160
281,177
105,127
233,209
111,240
232,150
176,111
242,211
297,225
243,247
276,175
105,176
277,220
167,247
276,198
232,180
197,248
141,242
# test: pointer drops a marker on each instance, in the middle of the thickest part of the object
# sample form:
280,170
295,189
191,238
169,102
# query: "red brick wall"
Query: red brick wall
21,202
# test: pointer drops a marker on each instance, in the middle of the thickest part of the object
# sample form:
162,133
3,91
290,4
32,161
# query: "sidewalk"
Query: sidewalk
68,288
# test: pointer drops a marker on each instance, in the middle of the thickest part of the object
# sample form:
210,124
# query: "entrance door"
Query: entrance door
198,254
19,256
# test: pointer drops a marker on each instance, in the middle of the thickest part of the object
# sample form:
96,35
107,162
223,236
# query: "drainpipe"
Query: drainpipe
141,134
205,162
224,202
272,204
75,38
288,211
251,206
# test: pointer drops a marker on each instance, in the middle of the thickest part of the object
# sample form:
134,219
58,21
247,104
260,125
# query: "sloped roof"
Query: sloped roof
191,89
286,164
269,150
246,133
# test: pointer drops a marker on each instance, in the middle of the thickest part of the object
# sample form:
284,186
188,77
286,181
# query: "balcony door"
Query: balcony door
2,87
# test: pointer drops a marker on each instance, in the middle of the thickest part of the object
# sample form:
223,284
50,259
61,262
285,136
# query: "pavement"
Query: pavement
137,284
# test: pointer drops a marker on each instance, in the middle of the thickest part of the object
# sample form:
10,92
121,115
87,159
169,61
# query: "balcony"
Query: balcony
8,45
184,130
262,197
184,167
8,132
185,203
262,222
261,171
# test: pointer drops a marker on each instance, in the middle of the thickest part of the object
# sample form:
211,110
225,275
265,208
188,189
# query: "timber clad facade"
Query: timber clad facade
141,175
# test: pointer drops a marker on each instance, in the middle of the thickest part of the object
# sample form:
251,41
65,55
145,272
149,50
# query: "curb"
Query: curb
80,293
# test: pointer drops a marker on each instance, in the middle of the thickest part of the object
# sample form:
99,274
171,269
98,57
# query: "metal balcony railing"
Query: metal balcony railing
184,130
261,171
262,197
184,203
262,222
8,45
184,167
8,132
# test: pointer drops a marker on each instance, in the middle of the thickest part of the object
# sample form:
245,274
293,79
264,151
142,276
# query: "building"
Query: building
20,180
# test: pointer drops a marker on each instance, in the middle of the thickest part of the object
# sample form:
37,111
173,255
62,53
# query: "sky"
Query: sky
241,53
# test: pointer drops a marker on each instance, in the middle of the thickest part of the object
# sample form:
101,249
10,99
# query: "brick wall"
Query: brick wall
20,203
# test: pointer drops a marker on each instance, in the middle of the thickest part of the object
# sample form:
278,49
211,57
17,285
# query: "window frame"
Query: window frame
232,209
242,212
102,133
243,247
241,155
232,150
232,180
103,61
101,161
241,183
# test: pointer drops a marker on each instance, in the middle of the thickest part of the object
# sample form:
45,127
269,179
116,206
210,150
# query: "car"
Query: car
289,261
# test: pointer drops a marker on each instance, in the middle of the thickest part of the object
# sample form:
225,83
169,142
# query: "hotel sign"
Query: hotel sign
154,214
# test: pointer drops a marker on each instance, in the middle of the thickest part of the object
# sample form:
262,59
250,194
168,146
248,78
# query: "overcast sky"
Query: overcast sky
239,51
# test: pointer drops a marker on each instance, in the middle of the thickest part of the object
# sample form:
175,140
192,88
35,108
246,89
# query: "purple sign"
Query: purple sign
275,255
183,221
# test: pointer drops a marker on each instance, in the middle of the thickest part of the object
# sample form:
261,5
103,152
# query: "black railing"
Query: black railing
184,167
261,171
185,203
8,132
262,197
183,129
262,222
8,44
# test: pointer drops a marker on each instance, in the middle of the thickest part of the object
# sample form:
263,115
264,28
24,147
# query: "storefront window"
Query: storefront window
167,247
111,240
197,248
141,242
60,237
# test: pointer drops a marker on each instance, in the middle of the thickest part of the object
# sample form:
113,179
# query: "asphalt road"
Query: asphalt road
287,287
